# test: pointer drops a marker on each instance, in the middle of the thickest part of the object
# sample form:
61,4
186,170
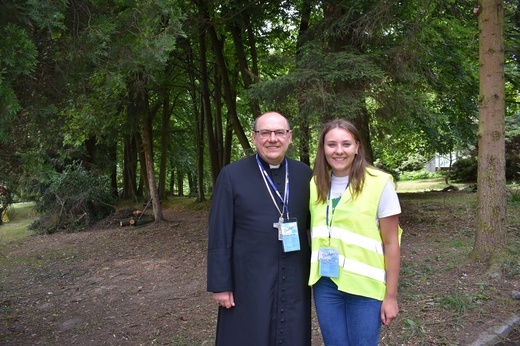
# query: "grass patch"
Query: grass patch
424,185
21,215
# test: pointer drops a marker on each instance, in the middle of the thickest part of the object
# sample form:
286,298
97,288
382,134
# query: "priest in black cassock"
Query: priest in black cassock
258,247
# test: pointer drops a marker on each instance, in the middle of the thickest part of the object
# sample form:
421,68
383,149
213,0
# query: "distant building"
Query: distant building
442,162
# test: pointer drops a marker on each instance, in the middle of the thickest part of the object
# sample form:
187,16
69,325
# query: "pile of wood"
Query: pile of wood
138,218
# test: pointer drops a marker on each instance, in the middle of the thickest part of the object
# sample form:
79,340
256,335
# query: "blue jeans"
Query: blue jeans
346,319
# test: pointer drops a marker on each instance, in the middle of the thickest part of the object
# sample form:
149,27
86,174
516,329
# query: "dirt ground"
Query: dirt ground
145,285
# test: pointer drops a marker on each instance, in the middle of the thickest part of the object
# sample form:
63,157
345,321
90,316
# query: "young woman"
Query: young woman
355,240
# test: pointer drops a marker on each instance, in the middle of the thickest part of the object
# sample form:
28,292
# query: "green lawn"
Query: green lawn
425,185
21,215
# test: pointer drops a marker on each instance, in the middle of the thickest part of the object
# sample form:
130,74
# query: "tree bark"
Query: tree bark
305,131
180,182
141,104
130,159
198,105
165,140
214,141
490,236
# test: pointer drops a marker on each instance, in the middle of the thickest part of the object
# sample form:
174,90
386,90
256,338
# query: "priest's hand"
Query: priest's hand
224,299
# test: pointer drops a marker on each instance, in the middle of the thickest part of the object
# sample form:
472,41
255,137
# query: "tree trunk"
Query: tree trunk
130,163
200,159
214,142
305,131
180,182
224,131
165,140
198,103
150,171
141,104
172,181
112,153
362,122
490,237
142,189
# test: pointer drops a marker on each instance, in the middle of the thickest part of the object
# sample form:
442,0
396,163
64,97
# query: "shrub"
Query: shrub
417,175
465,170
74,199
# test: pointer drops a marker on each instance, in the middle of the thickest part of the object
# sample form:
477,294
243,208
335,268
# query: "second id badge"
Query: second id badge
329,262
290,238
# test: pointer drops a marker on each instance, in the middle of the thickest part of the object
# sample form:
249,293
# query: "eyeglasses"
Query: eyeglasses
264,134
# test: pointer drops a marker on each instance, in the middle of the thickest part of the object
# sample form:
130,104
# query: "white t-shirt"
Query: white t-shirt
388,202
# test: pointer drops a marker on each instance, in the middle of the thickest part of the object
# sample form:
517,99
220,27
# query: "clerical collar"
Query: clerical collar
269,166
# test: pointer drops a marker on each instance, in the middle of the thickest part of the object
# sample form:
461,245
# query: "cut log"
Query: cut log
144,220
128,222
136,222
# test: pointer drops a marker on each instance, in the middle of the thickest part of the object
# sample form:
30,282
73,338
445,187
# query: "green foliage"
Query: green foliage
410,68
417,175
460,303
75,198
17,53
465,170
17,59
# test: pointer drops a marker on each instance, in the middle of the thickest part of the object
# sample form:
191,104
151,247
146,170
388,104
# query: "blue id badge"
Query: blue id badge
329,262
290,238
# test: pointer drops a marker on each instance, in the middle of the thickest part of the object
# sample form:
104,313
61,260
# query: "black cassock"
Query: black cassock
272,297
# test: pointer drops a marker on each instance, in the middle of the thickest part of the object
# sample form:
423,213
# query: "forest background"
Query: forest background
110,103
103,101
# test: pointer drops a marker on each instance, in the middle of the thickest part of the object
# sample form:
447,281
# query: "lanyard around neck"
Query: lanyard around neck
330,210
267,178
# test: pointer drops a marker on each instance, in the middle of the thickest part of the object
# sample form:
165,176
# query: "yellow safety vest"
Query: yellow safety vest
356,236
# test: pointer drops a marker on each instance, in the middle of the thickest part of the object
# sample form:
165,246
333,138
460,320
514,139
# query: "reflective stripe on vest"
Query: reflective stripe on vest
348,237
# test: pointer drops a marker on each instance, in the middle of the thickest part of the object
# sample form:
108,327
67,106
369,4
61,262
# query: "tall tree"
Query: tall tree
490,237
229,92
141,106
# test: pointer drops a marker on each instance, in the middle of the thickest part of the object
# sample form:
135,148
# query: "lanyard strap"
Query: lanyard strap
266,177
330,210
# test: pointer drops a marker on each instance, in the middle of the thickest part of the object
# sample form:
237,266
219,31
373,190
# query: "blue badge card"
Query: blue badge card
329,262
290,238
